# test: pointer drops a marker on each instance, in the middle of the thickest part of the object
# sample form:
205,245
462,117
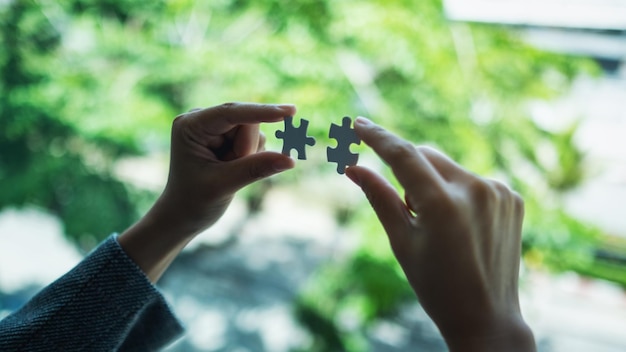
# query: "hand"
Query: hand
214,153
457,237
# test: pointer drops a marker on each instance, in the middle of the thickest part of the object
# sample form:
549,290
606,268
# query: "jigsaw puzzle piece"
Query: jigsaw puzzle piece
295,138
345,136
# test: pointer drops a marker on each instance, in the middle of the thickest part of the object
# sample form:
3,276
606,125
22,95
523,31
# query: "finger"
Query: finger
389,207
414,172
243,171
518,215
222,118
261,146
246,140
446,167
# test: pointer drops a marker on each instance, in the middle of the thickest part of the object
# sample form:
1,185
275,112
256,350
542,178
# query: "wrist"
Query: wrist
155,240
186,213
512,335
167,220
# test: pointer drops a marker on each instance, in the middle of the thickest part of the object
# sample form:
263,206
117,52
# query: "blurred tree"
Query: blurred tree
87,82
45,161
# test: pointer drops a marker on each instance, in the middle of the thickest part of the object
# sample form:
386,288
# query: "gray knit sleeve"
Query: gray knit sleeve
105,303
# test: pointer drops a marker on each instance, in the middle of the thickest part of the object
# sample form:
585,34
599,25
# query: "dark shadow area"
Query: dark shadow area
253,287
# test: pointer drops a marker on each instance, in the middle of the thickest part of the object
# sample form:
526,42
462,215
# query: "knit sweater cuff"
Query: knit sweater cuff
104,303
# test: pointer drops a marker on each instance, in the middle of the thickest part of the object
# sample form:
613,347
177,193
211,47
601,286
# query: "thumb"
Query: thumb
389,207
246,170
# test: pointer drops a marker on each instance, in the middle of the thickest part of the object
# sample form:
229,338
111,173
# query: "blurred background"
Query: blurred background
527,92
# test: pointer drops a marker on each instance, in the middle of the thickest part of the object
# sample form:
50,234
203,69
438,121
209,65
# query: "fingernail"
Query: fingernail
363,121
286,106
282,164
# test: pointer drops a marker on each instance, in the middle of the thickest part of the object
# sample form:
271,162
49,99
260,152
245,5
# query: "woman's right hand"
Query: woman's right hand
457,237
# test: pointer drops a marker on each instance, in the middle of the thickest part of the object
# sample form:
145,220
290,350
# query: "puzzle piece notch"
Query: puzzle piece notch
345,136
295,138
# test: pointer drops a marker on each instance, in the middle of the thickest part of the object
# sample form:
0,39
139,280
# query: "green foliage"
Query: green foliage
87,82
45,161
326,335
563,243
344,299
569,171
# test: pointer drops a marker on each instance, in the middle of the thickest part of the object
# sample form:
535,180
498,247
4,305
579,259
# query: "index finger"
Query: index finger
222,118
414,172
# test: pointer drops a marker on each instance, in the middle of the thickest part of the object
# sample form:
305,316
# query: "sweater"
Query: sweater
105,303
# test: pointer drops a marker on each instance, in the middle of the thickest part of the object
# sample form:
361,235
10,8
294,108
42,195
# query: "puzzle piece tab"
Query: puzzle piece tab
295,138
344,136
